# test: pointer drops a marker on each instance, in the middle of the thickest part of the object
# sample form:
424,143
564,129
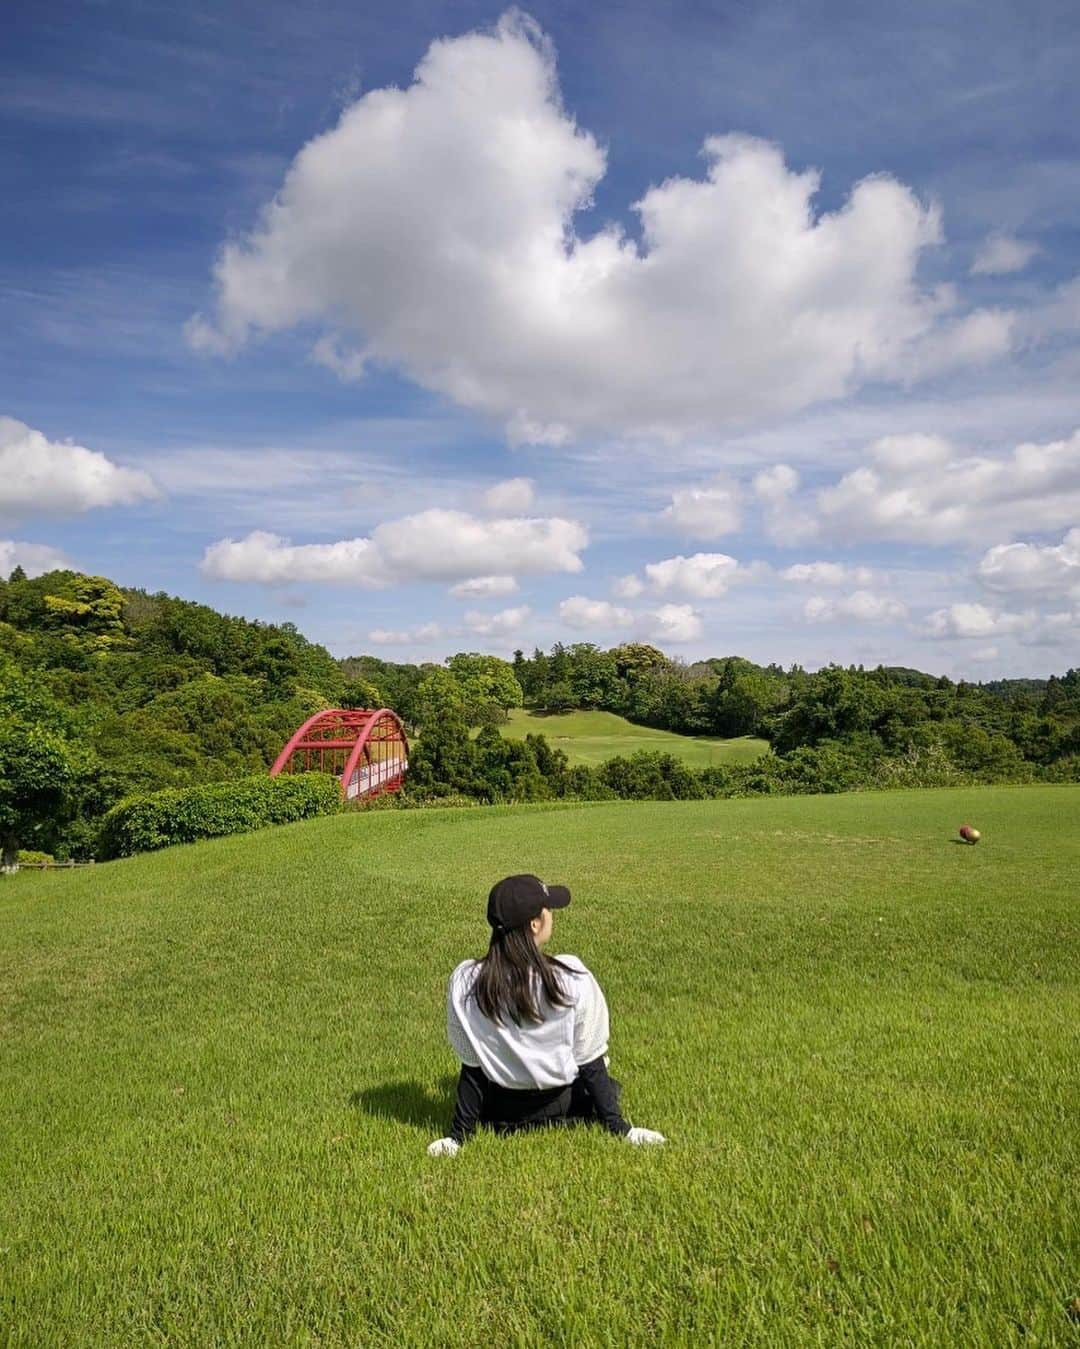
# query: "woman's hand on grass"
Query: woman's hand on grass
446,1147
639,1136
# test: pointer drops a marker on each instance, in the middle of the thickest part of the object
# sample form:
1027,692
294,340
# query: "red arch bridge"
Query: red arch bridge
367,750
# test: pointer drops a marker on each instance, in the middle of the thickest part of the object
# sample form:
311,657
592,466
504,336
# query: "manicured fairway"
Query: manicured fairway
590,737
220,1066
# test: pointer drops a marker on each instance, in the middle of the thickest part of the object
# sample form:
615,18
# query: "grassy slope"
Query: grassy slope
590,737
221,1064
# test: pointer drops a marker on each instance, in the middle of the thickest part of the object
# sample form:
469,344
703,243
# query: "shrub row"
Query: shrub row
182,815
810,770
832,766
29,857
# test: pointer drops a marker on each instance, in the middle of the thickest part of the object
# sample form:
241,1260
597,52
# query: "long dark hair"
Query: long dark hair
511,975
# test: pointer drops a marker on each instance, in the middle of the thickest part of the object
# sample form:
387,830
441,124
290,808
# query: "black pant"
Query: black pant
568,1105
593,1097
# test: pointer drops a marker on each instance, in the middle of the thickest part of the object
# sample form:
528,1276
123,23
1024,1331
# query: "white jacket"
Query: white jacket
529,1056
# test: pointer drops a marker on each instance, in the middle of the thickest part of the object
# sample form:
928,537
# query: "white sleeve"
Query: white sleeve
590,1020
455,1031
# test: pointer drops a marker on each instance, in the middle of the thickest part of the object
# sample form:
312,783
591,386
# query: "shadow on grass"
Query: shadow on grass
410,1102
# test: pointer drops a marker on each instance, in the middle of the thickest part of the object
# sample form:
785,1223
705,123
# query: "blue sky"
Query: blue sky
736,328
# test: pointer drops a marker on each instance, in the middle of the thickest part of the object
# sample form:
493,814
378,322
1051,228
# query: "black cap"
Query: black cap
517,899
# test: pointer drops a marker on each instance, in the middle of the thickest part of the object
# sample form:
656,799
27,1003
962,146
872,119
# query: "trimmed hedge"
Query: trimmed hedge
182,815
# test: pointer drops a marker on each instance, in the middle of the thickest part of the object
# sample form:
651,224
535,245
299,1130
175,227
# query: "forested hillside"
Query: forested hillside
107,692
730,696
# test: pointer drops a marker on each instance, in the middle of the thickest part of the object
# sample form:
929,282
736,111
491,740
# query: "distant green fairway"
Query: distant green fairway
220,1066
590,737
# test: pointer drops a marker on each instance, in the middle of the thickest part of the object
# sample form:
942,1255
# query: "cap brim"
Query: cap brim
558,896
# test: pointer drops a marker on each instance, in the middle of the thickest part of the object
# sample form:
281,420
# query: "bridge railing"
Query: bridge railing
365,779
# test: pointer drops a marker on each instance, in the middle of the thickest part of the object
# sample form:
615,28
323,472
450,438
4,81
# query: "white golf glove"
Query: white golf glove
638,1136
443,1147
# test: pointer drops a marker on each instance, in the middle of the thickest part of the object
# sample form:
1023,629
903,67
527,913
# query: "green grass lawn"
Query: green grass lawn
590,737
220,1066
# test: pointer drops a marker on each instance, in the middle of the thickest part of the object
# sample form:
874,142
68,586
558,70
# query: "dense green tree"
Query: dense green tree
836,703
989,757
594,679
539,676
508,769
558,697
648,775
89,609
635,659
361,692
488,714
670,700
440,697
140,754
484,680
316,668
552,764
744,698
43,766
397,683
520,667
559,665
443,763
215,709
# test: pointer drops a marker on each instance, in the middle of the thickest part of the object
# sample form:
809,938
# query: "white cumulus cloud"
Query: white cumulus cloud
1029,568
1056,629
433,545
921,489
1057,313
675,623
273,560
975,339
484,587
39,476
776,484
976,621
34,558
425,633
497,625
328,351
786,520
1002,253
512,497
581,612
828,574
434,229
706,512
628,587
704,575
861,606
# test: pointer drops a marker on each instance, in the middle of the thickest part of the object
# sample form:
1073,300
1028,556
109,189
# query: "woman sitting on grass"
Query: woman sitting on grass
531,1030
